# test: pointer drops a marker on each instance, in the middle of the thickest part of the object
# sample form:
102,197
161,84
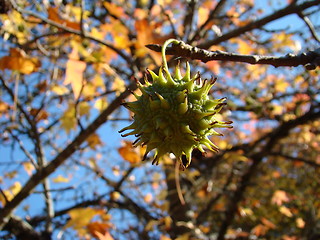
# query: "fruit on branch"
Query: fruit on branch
174,114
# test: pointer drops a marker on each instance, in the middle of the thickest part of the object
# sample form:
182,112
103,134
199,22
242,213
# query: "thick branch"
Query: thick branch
290,60
22,230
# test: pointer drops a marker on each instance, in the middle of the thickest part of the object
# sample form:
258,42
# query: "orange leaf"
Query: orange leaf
147,34
268,223
53,15
18,61
114,9
105,236
95,228
129,153
259,230
279,197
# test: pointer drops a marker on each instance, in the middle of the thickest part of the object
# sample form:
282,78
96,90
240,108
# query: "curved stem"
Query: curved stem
163,52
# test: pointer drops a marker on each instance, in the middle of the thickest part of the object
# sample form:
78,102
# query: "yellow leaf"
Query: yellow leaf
74,72
83,108
68,119
59,90
18,61
129,153
93,141
101,104
300,223
118,85
28,167
115,196
183,237
150,225
281,85
285,211
81,217
60,179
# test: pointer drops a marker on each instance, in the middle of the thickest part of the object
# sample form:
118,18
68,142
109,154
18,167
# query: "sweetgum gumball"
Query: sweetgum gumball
175,114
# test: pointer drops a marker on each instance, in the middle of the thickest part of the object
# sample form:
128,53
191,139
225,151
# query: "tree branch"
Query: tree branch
23,230
43,173
273,137
290,9
71,30
309,59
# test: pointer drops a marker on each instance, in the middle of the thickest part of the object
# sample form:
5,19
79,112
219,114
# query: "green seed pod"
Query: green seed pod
175,114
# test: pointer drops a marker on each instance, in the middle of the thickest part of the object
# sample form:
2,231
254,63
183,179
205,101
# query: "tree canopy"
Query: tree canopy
66,69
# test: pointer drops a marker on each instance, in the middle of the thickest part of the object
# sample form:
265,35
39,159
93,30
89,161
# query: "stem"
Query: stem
163,52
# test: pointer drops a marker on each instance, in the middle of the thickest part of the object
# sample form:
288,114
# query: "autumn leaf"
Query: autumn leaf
147,34
19,61
81,217
53,14
59,90
93,141
114,9
10,193
259,230
279,197
106,236
60,179
285,211
97,228
100,104
129,153
74,73
300,223
268,223
28,167
68,119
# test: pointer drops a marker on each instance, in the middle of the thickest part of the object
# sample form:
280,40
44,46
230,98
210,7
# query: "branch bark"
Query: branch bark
310,59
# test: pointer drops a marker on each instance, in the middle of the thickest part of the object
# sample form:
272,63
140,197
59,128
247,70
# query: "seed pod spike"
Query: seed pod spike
177,73
186,77
154,76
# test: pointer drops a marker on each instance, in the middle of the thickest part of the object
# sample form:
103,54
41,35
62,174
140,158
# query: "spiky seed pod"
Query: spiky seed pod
174,114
